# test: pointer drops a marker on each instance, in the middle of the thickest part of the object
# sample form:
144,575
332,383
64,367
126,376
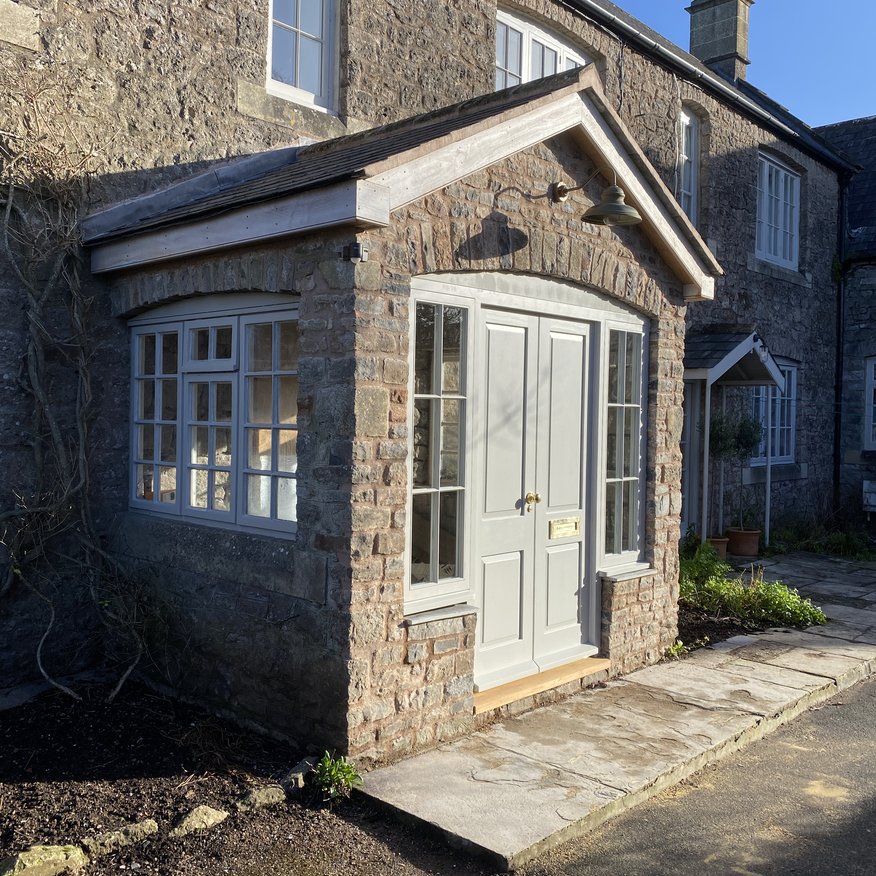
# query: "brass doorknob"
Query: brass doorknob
532,499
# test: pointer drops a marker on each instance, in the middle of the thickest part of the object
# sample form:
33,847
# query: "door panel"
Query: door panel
503,599
563,587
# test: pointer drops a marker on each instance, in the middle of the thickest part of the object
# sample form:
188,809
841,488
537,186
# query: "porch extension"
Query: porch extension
527,784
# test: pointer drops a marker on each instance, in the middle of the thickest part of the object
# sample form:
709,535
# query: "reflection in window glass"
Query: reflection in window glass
439,406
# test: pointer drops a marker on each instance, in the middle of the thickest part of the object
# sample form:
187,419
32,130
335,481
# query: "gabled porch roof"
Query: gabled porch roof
730,357
360,179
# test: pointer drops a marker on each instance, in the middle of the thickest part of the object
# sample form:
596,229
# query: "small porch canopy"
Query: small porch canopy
730,356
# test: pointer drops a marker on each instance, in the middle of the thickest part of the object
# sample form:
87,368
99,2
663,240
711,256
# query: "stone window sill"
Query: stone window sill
792,471
257,102
777,272
638,572
439,614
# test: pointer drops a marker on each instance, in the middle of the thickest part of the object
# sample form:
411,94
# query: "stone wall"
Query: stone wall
857,464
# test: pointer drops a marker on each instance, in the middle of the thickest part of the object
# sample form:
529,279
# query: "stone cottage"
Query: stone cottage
856,460
388,429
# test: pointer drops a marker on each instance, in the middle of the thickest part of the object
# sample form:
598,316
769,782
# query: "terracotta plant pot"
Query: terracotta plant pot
743,542
719,543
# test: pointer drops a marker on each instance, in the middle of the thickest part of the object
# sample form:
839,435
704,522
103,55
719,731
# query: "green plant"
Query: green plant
678,649
710,585
737,437
334,778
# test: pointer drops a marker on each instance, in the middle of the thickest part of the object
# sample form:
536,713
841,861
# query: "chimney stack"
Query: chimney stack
719,35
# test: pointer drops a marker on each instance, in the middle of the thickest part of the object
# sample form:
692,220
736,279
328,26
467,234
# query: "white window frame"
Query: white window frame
326,100
689,159
567,56
784,418
625,556
870,403
174,319
778,213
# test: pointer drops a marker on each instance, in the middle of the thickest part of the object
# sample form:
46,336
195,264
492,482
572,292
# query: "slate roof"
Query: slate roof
286,171
705,349
857,138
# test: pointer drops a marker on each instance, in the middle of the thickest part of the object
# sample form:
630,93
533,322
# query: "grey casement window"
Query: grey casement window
301,51
439,427
215,419
623,448
689,160
783,420
526,51
778,213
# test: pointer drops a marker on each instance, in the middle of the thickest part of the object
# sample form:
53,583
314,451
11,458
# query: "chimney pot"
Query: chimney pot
719,35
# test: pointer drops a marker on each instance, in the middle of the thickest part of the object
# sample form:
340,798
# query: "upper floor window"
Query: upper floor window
778,213
689,160
525,51
784,418
301,50
215,418
870,404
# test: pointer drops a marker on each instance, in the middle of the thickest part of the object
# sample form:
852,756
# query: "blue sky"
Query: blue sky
818,59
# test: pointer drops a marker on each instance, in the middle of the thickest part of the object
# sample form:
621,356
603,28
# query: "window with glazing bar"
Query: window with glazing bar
689,164
438,463
870,403
778,213
623,445
215,419
783,421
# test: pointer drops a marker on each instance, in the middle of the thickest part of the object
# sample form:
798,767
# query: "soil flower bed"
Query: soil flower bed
70,770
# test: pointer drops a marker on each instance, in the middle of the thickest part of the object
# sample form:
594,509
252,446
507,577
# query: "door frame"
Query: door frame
542,297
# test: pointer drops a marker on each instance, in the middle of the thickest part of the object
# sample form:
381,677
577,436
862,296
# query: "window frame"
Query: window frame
633,556
689,122
787,226
869,403
531,32
327,101
759,395
180,320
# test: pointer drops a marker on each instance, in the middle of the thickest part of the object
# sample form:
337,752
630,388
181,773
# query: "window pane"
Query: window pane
631,442
631,369
310,65
146,442
201,344
550,62
288,401
501,44
287,490
311,17
615,418
425,349
422,463
144,475
287,450
421,539
614,367
283,55
448,541
260,347
630,512
222,437
201,402
537,55
288,346
223,342
167,481
515,53
168,399
223,402
451,422
222,491
200,445
200,481
259,453
611,492
147,400
260,400
168,443
169,353
454,331
147,354
284,10
258,495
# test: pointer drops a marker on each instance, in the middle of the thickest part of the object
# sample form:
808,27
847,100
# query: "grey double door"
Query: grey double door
530,533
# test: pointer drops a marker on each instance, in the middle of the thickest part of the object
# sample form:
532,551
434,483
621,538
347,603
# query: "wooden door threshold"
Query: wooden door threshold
496,697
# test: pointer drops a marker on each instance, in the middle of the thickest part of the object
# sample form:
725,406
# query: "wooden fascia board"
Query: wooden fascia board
429,169
658,224
739,352
363,203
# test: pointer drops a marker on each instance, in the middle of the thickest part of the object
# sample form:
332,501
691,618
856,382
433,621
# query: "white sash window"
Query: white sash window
778,213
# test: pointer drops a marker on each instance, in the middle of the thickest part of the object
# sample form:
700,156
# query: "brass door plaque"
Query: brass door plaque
564,527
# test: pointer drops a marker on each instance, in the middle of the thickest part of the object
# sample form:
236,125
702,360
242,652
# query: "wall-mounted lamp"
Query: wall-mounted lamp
611,210
355,253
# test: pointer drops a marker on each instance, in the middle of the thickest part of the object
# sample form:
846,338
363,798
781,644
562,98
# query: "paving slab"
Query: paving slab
519,787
